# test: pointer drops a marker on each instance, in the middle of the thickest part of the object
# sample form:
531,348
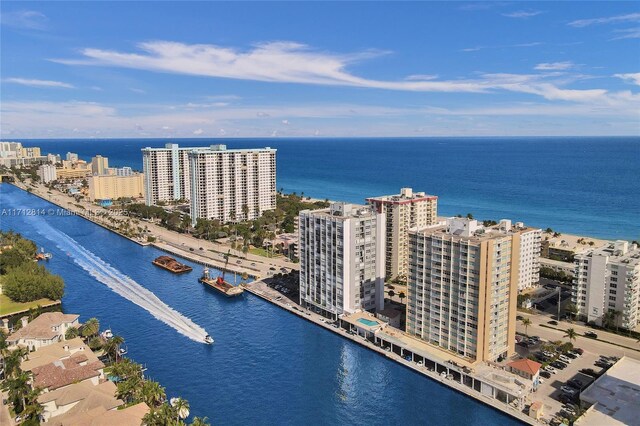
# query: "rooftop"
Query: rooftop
206,149
64,372
343,211
525,365
100,416
406,196
42,327
57,352
104,395
574,243
619,252
616,395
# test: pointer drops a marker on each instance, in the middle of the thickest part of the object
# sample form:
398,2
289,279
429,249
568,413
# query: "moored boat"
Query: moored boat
220,284
171,265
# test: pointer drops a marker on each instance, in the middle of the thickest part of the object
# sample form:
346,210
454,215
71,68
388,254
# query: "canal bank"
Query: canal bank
260,289
294,371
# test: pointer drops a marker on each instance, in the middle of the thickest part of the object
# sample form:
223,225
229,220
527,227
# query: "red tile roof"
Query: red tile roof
525,365
65,372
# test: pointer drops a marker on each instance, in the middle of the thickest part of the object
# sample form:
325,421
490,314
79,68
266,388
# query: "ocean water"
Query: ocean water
267,366
588,186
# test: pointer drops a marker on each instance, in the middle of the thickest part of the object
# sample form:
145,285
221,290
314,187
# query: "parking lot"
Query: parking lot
550,391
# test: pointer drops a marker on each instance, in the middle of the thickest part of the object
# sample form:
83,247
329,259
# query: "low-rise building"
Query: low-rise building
79,397
48,328
614,397
112,187
527,369
73,169
391,316
563,247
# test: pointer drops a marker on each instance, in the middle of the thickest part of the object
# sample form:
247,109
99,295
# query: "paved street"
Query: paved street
586,343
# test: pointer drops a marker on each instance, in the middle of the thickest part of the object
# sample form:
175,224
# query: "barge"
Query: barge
171,265
220,284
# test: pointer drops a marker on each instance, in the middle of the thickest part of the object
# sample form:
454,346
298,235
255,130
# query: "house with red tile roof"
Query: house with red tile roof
75,369
527,369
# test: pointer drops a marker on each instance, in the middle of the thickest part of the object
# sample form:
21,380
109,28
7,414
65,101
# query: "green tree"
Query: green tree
17,388
112,347
181,406
200,421
91,327
391,293
572,309
526,322
71,333
401,295
152,393
571,334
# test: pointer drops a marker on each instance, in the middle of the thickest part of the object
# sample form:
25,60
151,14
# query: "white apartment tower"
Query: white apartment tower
403,211
232,184
166,173
341,259
606,284
47,173
530,247
462,288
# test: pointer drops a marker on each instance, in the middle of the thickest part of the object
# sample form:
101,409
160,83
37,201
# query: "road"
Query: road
591,345
211,250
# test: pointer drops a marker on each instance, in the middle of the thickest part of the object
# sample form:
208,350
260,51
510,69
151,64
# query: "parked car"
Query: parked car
519,317
565,398
545,374
558,364
578,351
589,372
565,359
571,355
590,334
549,369
569,390
552,322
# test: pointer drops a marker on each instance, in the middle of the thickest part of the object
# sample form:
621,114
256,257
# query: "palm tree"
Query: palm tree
91,327
18,389
12,361
112,347
181,406
71,333
200,421
33,408
391,293
571,334
152,393
526,322
401,295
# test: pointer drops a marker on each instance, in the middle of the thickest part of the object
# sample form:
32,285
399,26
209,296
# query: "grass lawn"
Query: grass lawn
8,306
261,252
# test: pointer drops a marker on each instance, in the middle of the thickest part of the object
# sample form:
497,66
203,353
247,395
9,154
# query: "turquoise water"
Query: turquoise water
267,366
583,185
367,322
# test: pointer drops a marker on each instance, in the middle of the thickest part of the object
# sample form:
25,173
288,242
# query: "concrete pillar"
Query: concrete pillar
5,324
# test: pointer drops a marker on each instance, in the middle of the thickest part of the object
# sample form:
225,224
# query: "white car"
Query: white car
565,359
549,369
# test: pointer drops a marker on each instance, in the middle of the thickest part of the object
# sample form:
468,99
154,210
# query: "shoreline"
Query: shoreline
311,317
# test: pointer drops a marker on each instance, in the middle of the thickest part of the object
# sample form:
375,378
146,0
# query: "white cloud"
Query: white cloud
135,90
198,132
28,19
285,122
554,66
418,77
505,46
631,17
38,83
627,33
633,78
523,14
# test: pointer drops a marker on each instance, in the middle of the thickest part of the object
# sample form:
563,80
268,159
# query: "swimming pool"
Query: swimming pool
368,322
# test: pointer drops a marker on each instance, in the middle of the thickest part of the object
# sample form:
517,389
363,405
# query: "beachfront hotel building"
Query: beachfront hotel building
99,165
606,284
403,211
232,184
530,247
462,288
13,154
341,259
112,187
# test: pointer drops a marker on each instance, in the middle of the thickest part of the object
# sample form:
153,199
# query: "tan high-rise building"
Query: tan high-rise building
112,187
99,165
462,288
403,211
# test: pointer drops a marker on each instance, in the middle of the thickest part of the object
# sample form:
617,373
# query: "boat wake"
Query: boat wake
121,283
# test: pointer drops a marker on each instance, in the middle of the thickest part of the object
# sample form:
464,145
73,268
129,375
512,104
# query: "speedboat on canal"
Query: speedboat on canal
208,339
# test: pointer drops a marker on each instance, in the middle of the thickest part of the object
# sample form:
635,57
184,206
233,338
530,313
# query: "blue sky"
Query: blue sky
262,69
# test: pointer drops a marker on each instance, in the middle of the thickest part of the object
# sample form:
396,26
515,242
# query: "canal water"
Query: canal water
266,366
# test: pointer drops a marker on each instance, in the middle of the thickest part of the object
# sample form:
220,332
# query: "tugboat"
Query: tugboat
171,265
208,339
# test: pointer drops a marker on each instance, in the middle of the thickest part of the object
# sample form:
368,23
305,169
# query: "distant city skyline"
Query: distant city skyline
305,69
